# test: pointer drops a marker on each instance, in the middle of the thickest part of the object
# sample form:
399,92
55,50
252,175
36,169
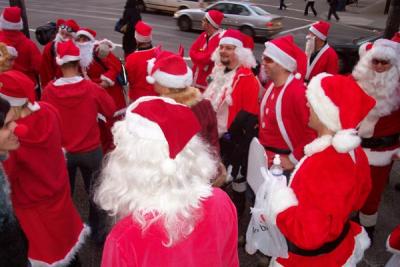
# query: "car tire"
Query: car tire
141,6
247,30
184,23
182,7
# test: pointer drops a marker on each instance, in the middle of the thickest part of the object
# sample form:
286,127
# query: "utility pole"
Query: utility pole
21,5
393,20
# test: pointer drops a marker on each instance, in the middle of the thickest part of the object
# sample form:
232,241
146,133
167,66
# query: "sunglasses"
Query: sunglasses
267,60
380,61
65,27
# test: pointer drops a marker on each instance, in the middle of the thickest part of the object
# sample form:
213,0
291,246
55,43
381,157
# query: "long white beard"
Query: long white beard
86,52
310,46
383,87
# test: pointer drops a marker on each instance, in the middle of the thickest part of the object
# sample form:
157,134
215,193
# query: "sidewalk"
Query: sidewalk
367,14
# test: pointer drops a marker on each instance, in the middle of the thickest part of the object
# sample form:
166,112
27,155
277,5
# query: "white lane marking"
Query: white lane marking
295,29
292,9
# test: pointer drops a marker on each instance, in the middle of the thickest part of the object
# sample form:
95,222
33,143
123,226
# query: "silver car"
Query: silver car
247,17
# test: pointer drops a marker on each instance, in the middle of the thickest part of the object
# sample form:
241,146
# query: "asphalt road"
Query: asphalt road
101,15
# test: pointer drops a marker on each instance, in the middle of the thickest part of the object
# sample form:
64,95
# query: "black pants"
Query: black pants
89,163
282,4
310,5
332,11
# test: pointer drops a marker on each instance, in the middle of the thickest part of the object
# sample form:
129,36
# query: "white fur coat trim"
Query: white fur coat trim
380,158
281,199
362,243
318,145
71,254
107,80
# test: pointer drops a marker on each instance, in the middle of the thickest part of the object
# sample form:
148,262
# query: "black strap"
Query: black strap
326,248
278,150
380,142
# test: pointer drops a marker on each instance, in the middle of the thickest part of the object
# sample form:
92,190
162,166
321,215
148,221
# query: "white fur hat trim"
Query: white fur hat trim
280,56
6,25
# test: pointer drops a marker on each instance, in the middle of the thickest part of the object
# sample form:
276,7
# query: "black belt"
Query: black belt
278,150
326,248
380,142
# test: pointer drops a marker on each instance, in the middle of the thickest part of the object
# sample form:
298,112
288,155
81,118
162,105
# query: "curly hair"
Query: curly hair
133,183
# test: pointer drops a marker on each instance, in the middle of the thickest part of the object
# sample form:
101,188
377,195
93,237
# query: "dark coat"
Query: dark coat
130,16
13,243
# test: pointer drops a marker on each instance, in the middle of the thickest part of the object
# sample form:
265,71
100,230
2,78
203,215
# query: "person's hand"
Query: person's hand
286,164
104,84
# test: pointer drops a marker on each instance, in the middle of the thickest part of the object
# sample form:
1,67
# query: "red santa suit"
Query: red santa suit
232,92
40,191
284,114
380,130
49,70
29,57
41,194
100,65
283,120
78,98
326,60
393,246
129,245
330,182
136,68
200,54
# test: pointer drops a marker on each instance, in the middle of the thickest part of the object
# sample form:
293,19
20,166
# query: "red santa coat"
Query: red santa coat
325,61
78,102
41,193
284,119
200,53
29,57
393,241
49,70
324,189
107,70
136,68
232,92
207,245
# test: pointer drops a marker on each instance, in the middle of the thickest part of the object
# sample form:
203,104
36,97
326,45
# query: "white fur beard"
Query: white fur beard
86,52
59,38
310,47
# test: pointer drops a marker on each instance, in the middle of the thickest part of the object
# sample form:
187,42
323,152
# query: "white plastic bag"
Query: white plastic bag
394,261
262,234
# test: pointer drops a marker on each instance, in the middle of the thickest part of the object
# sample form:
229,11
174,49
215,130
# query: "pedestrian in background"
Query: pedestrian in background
332,9
282,4
130,17
310,4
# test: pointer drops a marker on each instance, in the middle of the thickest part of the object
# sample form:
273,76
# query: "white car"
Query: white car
172,5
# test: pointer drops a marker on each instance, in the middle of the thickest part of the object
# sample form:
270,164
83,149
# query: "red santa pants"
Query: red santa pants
380,177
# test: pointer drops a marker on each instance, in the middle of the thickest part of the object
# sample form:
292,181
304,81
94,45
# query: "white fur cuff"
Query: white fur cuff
107,80
281,200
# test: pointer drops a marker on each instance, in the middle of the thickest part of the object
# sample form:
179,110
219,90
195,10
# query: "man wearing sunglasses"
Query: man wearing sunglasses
49,70
378,73
284,114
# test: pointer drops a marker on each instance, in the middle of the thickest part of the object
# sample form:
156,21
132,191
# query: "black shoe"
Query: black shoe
371,232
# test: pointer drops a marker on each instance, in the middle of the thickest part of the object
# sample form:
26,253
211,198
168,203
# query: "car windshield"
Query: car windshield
259,10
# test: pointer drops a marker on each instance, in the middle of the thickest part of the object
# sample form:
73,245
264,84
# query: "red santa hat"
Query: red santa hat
70,25
215,18
67,52
11,19
89,33
18,89
364,48
143,32
320,29
286,53
232,37
162,119
340,105
385,49
396,37
169,70
393,241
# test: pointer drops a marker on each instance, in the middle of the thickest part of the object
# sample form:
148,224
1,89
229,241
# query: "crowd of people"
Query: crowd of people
168,158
